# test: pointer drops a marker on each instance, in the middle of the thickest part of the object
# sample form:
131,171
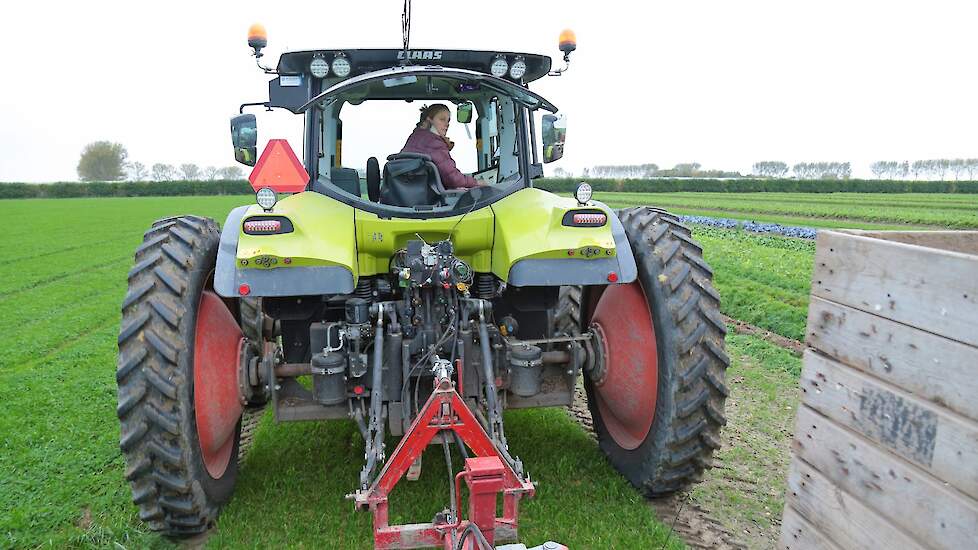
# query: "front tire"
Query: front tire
668,446
164,464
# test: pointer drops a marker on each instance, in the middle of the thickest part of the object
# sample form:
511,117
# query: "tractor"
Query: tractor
414,310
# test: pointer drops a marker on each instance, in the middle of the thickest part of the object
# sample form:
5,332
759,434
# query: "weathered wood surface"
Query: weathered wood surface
836,515
929,366
957,241
944,444
924,507
933,291
798,534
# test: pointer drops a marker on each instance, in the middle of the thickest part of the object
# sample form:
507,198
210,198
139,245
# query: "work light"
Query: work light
341,66
499,67
266,198
319,68
583,193
518,69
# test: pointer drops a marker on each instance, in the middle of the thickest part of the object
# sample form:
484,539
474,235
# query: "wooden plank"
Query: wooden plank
898,491
935,368
932,290
798,534
945,445
834,512
957,241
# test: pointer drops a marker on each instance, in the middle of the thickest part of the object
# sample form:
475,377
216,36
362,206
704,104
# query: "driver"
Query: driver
429,138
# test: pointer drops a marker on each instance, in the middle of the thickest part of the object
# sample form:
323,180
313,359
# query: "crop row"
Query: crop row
954,216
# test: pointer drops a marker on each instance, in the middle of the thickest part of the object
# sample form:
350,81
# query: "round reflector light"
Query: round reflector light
499,67
318,67
244,289
341,67
266,198
583,193
518,69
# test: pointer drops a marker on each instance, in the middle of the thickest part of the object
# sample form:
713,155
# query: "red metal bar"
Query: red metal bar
486,475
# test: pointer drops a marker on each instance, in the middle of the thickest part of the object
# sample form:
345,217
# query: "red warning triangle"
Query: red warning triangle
279,169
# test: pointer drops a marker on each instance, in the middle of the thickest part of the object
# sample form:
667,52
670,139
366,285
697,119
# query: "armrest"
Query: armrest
421,156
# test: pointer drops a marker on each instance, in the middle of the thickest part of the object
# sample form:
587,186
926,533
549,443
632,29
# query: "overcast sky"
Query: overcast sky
721,83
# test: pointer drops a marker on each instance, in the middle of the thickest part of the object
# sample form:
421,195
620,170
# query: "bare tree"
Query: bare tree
917,168
770,169
190,171
231,173
137,171
879,168
971,165
210,173
164,172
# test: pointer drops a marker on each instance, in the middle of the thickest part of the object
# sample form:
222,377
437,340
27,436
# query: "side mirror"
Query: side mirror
244,139
554,133
464,113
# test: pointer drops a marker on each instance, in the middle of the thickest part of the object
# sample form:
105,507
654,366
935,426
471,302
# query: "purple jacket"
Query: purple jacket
425,142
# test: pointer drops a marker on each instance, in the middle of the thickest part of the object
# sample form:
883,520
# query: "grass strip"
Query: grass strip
745,489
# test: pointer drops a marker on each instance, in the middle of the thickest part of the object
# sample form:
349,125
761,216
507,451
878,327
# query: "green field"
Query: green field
828,210
61,472
61,480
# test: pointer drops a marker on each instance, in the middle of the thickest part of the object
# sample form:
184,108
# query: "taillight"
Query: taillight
590,219
267,225
263,226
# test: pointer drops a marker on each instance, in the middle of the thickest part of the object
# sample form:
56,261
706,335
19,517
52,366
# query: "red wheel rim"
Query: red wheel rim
626,396
217,345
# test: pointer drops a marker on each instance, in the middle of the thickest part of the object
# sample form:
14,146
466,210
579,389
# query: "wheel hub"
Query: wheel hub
625,374
218,343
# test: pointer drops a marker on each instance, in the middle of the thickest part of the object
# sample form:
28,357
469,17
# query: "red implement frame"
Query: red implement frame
486,475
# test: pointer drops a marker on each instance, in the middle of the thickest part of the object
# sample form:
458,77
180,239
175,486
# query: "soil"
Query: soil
741,327
689,521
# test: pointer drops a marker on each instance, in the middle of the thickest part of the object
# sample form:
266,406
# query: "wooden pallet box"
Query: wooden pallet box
885,453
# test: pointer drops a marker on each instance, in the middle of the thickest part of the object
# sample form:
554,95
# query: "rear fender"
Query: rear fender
533,248
317,257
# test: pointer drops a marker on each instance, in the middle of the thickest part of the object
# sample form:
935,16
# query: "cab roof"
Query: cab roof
370,60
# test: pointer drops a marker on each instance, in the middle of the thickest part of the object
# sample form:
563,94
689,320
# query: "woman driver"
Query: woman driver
429,138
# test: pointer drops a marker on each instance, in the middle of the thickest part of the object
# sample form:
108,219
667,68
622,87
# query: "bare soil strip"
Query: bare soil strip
741,327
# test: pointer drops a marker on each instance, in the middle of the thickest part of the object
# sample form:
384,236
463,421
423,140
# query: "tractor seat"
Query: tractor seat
410,180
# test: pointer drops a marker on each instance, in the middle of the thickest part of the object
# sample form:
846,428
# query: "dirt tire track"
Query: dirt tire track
691,522
794,346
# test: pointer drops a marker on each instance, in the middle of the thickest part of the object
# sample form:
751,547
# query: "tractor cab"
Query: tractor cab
487,93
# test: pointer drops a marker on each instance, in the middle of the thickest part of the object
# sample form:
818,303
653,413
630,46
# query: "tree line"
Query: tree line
108,161
651,170
928,169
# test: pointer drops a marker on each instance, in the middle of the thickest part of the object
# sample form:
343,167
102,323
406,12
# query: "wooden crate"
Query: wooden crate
885,453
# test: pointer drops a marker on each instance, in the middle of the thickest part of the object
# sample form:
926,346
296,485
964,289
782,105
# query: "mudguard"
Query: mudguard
317,257
533,248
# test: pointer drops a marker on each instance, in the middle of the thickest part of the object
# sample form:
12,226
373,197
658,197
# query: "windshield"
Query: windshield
360,123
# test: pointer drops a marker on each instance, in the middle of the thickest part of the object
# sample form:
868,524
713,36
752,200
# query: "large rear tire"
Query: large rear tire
667,446
164,459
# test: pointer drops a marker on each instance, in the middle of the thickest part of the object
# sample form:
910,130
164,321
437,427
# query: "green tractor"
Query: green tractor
416,311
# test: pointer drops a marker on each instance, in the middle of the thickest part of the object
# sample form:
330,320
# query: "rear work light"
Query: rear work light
267,225
585,218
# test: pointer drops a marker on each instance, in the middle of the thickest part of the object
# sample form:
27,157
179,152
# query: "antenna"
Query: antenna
406,30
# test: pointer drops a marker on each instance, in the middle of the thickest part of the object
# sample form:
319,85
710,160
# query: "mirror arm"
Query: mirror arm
266,104
558,72
267,70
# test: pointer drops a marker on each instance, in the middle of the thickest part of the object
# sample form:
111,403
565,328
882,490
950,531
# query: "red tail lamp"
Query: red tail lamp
590,219
262,226
244,289
612,277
